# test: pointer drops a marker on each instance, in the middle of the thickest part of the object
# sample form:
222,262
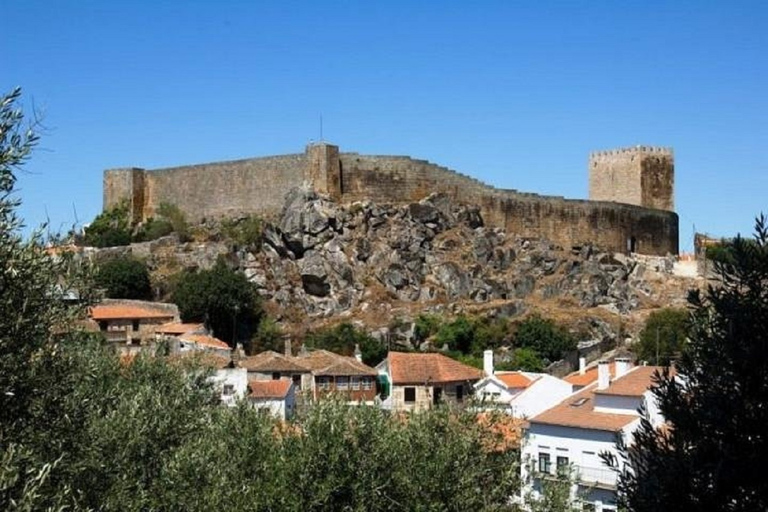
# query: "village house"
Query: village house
272,365
420,380
274,396
568,438
337,375
519,394
130,324
229,381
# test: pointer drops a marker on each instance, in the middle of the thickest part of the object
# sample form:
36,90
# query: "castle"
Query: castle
630,206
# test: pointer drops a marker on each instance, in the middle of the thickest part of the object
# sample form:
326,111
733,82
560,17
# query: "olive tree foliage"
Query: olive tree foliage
32,282
83,429
710,454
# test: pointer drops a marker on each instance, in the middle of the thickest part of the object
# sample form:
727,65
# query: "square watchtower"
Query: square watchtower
641,175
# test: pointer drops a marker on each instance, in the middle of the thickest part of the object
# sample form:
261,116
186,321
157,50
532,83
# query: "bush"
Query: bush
124,278
110,228
551,341
268,336
343,338
171,214
245,232
222,298
663,336
153,229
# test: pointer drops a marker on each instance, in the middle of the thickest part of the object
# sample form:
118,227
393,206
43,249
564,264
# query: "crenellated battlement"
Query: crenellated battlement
640,178
633,150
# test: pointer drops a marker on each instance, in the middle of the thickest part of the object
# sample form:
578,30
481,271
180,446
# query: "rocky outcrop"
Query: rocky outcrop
329,259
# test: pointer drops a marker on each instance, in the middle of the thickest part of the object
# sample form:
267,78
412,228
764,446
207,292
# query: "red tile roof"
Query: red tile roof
269,388
633,383
419,368
323,362
200,358
578,410
126,312
588,377
204,340
271,361
515,379
178,328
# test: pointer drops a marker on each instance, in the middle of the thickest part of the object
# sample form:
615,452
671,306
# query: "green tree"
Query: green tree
342,339
221,297
527,360
124,278
268,336
110,228
543,335
663,336
709,455
458,334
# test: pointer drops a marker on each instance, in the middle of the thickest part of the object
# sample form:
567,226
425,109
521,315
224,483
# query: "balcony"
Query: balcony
602,478
116,336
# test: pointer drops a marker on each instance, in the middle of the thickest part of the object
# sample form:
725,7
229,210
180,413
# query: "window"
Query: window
355,381
342,383
459,393
544,463
228,390
296,381
323,382
135,325
562,466
275,375
367,383
410,395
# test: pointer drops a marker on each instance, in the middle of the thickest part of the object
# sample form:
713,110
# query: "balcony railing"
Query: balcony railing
605,478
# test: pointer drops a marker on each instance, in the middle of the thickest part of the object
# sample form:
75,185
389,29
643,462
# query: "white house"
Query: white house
520,394
278,397
570,436
232,383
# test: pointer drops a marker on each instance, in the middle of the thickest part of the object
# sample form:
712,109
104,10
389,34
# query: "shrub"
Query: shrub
110,228
124,278
245,232
543,335
343,338
222,298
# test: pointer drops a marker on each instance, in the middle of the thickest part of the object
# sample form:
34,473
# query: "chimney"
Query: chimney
623,364
238,354
287,348
488,362
358,353
582,365
603,375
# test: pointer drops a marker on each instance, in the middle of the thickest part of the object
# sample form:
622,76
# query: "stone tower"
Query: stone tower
642,175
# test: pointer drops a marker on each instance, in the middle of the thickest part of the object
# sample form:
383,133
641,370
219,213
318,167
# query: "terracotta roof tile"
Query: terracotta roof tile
515,379
178,328
418,368
633,383
201,358
323,362
269,388
578,409
204,340
271,361
588,377
121,312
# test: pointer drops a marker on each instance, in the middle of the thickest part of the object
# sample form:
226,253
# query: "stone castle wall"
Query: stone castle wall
259,185
641,175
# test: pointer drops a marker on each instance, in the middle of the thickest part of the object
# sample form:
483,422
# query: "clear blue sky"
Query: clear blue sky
515,94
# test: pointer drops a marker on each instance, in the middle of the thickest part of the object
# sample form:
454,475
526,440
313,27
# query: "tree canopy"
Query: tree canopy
124,278
663,336
709,455
221,297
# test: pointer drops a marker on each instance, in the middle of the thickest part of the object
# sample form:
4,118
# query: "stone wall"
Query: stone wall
567,222
640,178
642,175
221,189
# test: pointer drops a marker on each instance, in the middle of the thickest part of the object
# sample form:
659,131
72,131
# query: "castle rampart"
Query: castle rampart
621,222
